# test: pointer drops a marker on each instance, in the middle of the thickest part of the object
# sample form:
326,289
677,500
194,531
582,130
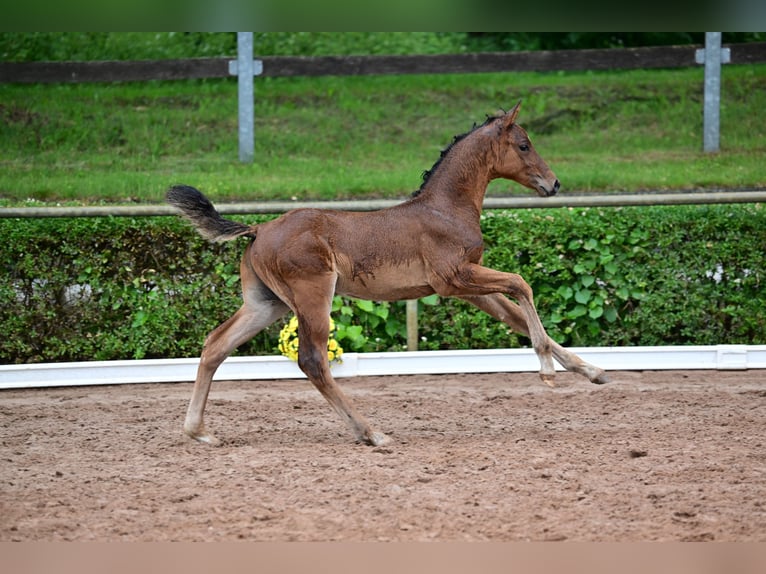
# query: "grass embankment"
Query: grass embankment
362,137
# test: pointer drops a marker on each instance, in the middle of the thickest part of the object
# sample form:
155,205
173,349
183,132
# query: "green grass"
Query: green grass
356,137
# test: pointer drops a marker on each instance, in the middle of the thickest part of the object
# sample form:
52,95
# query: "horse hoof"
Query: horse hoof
208,439
205,438
601,379
548,380
378,439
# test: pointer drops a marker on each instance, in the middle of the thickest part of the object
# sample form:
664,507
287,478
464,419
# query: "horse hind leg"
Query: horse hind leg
256,314
502,309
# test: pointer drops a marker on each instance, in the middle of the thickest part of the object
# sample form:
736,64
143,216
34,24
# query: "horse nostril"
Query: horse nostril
556,186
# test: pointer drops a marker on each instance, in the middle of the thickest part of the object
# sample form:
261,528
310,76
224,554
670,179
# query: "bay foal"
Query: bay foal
431,243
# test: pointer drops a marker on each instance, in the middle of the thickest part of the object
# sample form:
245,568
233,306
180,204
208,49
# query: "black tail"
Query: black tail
200,212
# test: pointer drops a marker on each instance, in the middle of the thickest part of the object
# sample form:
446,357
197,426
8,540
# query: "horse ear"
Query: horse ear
510,117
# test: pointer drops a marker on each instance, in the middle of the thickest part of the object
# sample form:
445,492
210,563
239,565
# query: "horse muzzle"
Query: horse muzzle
544,190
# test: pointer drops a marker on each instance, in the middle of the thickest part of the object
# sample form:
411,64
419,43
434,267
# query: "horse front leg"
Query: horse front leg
473,280
312,308
502,309
312,360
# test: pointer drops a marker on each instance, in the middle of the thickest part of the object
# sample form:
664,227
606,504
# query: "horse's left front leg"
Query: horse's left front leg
472,280
502,309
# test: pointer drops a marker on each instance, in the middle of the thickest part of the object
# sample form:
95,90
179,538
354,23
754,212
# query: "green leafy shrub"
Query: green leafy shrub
640,276
121,288
365,326
82,289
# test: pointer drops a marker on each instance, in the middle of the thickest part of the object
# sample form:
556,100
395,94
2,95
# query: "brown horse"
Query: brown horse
431,243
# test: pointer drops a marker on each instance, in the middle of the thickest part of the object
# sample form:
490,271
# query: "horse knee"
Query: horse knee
520,289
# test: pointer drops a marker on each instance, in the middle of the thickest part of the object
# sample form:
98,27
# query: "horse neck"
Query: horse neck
460,179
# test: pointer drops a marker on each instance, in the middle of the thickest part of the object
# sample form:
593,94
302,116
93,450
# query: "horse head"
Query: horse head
517,159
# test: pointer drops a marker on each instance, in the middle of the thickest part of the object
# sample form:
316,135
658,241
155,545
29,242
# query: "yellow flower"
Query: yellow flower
288,342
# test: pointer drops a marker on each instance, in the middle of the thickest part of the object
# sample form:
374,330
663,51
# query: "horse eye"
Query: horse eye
524,147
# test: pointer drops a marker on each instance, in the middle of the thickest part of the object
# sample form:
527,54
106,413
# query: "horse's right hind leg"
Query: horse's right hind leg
254,316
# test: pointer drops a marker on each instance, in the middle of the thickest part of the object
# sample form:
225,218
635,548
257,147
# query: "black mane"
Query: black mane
429,172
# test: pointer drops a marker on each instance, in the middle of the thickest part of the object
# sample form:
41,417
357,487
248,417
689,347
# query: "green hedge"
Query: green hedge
629,276
120,288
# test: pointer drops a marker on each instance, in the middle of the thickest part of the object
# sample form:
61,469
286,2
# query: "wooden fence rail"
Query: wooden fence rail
284,66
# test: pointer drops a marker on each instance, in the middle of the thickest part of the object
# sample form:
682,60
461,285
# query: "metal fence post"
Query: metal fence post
713,56
245,96
244,67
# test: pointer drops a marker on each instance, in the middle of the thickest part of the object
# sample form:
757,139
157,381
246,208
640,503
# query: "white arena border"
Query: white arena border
715,357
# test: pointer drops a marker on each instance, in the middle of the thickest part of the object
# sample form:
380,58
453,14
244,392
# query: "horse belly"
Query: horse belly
389,283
